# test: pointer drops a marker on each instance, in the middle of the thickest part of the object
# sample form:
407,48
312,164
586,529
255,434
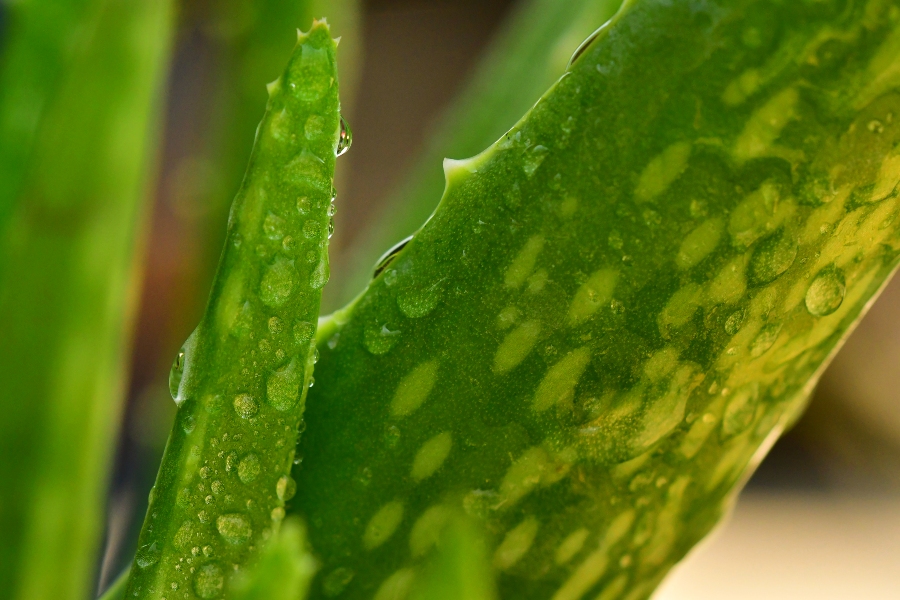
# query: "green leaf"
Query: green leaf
241,378
250,41
284,569
529,55
619,306
79,98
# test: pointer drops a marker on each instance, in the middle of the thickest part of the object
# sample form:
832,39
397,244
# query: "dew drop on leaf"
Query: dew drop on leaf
283,387
277,283
209,581
772,258
234,528
285,488
147,555
826,293
346,138
175,375
248,468
245,406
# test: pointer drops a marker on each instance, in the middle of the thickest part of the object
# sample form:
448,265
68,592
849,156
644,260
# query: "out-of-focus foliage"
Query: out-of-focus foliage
284,569
79,96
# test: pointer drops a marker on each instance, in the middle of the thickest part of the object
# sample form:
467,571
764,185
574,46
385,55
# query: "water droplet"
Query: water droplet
248,468
278,283
388,257
330,227
332,208
765,339
419,300
772,258
147,555
273,227
283,387
379,340
875,126
312,381
312,229
533,159
303,331
175,374
346,138
582,48
188,424
231,462
217,487
826,293
303,205
245,406
275,325
204,472
734,323
209,581
285,488
234,528
320,274
289,244
203,516
207,551
277,513
315,355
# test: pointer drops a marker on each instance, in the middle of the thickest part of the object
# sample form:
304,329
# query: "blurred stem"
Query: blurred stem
516,71
67,274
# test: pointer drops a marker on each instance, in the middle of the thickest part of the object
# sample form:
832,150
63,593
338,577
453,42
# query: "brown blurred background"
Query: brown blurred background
841,462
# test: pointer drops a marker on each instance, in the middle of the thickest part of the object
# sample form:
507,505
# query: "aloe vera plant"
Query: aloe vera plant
241,378
617,308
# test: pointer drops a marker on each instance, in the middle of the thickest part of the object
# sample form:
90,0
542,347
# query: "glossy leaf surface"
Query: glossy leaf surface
241,379
528,56
616,308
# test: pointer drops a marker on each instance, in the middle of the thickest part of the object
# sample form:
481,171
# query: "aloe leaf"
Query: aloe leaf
284,569
251,41
240,380
72,196
528,56
619,306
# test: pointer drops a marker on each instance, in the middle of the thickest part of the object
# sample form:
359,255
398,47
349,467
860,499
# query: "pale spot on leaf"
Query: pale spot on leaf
413,389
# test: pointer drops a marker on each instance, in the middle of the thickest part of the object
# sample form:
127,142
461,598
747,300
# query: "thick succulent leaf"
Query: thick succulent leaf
240,381
284,569
79,95
250,40
529,55
617,307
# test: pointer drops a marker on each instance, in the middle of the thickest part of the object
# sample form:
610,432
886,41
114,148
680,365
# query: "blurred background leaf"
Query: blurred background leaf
81,88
